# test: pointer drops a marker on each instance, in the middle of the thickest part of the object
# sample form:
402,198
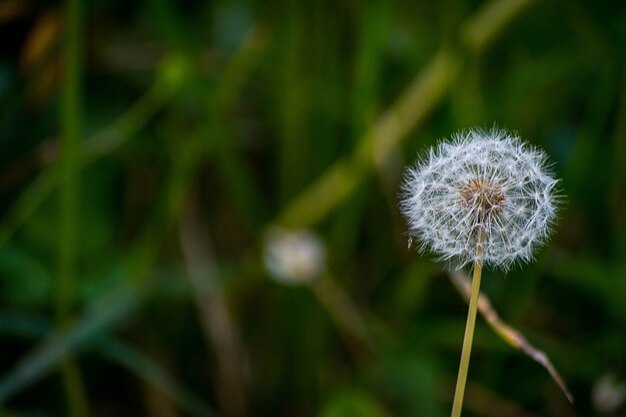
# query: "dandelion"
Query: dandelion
294,256
484,197
608,394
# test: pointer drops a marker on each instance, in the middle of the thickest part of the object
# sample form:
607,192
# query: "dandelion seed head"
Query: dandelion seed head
294,256
482,196
608,394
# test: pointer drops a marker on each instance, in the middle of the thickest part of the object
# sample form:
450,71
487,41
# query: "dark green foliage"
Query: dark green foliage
142,167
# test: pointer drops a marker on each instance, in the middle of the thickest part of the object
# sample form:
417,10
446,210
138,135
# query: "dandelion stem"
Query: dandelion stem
457,404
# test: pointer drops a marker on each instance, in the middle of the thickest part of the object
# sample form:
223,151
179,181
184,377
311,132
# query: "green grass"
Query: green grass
137,188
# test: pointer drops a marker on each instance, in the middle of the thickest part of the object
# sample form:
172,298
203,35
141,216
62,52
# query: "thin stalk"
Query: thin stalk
467,342
215,317
70,123
77,401
349,320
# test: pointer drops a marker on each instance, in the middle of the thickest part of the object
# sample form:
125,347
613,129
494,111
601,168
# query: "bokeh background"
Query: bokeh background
199,206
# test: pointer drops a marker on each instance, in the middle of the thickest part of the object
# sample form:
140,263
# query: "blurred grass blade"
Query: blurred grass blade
412,107
70,120
99,144
17,324
346,316
317,201
217,322
508,333
482,28
152,373
57,346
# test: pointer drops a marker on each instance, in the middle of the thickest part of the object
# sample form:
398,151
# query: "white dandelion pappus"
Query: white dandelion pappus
294,256
484,196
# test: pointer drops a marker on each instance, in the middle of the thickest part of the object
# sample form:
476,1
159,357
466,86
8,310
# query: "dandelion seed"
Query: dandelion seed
484,196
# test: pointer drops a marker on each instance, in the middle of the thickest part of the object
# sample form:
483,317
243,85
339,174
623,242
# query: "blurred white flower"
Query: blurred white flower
294,256
483,196
608,394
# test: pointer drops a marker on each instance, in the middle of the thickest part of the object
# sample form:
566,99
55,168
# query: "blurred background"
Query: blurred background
199,206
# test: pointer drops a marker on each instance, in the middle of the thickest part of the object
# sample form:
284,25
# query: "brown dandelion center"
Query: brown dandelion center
483,196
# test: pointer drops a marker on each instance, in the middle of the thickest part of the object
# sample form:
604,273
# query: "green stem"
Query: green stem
70,121
77,402
349,320
467,342
70,124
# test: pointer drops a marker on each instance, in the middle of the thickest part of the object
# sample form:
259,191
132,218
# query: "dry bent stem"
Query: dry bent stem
506,332
467,342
